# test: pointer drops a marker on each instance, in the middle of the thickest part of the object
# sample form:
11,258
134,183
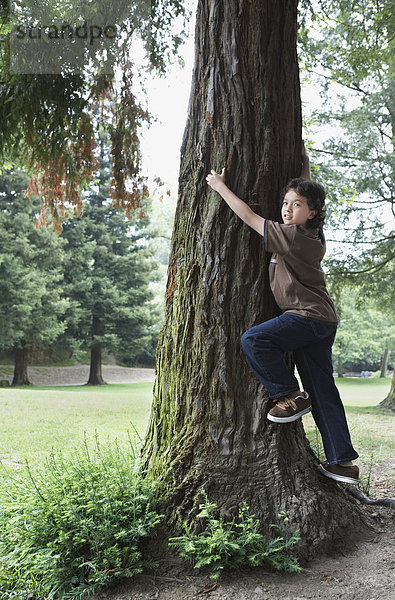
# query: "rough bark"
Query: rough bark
389,401
95,371
384,363
21,357
208,426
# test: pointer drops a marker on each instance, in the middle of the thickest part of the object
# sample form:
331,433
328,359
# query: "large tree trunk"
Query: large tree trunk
208,426
95,371
21,356
384,363
340,372
389,401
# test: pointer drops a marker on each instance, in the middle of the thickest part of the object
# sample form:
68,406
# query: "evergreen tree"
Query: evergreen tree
108,270
30,277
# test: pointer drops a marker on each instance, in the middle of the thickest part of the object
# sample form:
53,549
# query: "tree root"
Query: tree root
357,493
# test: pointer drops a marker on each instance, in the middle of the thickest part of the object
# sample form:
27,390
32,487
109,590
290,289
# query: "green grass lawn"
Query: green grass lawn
363,392
371,427
35,420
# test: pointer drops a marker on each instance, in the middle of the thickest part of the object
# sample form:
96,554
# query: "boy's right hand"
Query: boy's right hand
215,180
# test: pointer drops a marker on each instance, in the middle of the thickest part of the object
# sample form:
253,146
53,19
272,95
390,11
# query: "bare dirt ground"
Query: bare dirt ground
366,572
78,374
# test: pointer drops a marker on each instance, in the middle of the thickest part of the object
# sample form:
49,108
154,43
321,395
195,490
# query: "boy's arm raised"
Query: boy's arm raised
217,182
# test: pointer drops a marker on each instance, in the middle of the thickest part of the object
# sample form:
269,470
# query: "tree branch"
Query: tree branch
373,269
342,83
338,153
355,243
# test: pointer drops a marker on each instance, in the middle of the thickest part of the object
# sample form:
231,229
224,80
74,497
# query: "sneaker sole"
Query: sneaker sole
289,419
340,478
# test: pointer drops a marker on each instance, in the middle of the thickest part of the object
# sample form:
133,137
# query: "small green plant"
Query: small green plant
366,478
76,525
236,543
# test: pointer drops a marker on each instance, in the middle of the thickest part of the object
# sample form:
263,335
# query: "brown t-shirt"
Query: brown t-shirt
296,277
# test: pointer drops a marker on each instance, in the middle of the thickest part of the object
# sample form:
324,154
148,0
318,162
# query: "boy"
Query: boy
309,321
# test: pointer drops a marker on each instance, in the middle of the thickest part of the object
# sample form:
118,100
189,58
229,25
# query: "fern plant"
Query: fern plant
236,543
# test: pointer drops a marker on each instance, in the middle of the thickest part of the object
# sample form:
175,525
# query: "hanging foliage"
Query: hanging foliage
65,72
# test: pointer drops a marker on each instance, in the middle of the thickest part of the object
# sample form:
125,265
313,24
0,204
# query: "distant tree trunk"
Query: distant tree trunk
340,372
208,426
384,363
21,356
389,401
95,371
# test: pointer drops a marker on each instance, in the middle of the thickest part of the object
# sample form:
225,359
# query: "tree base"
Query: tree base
388,404
20,367
20,381
280,476
96,381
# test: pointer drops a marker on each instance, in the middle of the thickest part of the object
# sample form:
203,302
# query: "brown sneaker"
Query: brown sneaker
290,408
339,473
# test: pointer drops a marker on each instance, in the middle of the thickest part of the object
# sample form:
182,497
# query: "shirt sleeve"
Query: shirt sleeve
278,238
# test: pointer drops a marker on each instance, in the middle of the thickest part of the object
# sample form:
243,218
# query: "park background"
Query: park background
44,416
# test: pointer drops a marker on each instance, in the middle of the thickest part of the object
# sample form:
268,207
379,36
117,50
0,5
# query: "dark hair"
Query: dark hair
315,195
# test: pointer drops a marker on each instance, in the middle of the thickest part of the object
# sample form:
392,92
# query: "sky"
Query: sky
168,99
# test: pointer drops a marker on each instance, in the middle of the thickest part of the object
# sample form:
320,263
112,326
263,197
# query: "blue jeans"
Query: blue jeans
311,343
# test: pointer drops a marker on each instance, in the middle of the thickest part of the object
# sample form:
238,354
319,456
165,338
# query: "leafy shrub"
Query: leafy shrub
237,543
75,525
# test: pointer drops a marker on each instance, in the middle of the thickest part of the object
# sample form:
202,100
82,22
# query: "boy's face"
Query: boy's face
295,210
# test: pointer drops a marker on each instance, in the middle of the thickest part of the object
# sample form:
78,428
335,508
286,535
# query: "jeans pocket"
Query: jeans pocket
323,329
